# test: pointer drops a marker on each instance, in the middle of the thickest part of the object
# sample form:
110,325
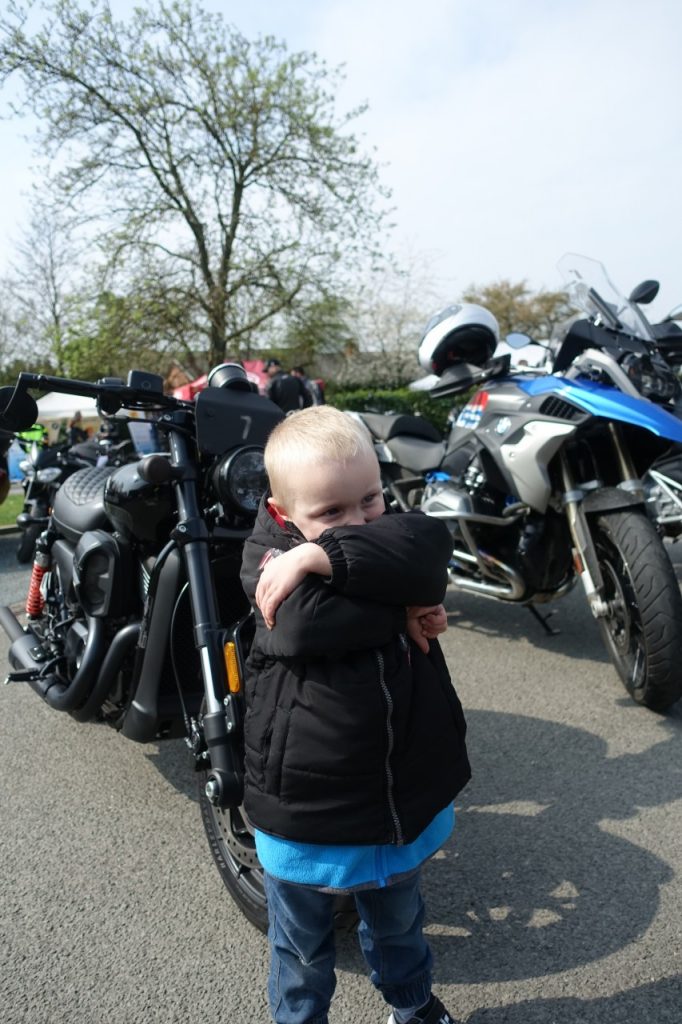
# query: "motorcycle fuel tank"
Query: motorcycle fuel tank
138,508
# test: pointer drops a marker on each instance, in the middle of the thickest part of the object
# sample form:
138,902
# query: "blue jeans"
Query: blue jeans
301,934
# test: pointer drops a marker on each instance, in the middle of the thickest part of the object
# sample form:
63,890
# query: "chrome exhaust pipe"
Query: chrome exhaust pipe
512,589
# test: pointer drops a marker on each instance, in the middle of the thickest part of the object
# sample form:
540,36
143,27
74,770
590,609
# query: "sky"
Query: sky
508,133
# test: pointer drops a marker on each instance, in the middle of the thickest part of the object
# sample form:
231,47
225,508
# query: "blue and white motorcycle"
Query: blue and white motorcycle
613,340
540,483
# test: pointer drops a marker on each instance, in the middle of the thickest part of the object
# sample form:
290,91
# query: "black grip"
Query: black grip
155,469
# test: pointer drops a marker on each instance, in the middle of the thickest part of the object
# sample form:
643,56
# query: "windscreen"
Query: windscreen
592,291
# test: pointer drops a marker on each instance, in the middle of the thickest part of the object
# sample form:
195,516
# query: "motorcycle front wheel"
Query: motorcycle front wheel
234,851
643,627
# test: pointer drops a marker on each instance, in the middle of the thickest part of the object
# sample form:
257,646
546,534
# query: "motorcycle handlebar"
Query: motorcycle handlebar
125,394
19,411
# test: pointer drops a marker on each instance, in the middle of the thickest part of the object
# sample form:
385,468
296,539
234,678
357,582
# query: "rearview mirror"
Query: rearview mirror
18,409
644,293
518,340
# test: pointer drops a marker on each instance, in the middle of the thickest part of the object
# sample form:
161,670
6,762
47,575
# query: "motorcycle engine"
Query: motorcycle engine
543,553
471,482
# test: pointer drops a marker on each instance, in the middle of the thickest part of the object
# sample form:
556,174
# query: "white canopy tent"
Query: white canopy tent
54,409
54,406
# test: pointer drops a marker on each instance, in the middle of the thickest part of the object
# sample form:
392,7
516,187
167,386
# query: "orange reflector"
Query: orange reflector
232,666
578,563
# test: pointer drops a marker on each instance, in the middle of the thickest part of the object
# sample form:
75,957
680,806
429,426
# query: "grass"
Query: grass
10,509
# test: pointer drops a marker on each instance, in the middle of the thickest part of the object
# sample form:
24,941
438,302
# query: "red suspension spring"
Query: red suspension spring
34,601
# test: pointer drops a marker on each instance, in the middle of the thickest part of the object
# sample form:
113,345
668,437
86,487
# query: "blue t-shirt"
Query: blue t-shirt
344,868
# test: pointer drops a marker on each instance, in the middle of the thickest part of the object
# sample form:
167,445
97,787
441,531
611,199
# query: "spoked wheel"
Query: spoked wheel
643,627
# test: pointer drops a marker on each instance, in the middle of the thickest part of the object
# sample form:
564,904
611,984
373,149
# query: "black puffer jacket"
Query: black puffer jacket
353,735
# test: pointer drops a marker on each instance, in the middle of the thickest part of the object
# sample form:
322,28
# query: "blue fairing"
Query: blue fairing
607,402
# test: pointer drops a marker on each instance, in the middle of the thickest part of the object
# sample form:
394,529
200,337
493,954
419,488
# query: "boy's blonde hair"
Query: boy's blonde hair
317,434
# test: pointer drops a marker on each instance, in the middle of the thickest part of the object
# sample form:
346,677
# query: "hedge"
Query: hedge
397,400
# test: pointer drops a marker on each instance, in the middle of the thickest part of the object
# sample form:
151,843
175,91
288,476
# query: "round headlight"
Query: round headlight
48,475
240,479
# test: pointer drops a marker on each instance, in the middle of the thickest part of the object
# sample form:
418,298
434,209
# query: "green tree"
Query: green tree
114,333
517,308
319,330
215,163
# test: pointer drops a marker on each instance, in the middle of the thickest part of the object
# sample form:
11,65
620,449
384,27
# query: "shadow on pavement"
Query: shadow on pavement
577,633
532,882
659,1002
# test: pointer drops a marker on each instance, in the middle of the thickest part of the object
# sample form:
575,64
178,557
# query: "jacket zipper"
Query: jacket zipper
389,732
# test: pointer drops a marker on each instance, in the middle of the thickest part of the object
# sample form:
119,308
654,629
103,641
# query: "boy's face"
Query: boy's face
335,494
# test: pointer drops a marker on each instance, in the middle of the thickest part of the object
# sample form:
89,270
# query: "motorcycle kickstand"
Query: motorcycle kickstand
543,620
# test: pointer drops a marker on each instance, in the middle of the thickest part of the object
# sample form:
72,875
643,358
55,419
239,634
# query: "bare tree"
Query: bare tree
40,287
218,164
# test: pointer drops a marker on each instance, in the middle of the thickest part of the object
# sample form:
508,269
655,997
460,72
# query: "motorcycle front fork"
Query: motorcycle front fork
584,551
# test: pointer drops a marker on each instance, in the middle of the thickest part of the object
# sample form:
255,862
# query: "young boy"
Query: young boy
354,734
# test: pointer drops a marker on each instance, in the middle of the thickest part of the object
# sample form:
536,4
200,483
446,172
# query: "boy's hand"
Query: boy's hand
281,575
424,624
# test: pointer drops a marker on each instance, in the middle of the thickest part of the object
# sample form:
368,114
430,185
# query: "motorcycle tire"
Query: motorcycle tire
27,543
234,852
643,630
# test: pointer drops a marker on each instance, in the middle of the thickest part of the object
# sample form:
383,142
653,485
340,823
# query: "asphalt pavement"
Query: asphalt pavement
13,577
557,901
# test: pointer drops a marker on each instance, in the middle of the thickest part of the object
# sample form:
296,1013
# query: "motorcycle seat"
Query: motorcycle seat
416,454
79,503
386,427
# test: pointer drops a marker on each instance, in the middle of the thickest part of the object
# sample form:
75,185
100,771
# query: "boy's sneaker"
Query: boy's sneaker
433,1013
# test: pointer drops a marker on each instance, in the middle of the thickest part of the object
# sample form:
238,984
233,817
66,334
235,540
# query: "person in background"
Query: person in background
313,387
76,433
285,390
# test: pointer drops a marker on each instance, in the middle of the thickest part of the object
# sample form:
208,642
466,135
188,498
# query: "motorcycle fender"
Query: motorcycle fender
610,499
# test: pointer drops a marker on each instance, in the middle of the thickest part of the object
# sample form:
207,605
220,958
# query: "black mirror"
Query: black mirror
18,409
644,293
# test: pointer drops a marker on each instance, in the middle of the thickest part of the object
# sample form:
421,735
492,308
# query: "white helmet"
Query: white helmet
462,333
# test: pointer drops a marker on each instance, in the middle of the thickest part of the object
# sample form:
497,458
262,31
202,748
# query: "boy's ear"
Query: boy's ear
278,508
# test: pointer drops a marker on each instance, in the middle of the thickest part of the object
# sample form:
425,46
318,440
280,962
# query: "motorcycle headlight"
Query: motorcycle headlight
656,382
240,479
49,475
26,467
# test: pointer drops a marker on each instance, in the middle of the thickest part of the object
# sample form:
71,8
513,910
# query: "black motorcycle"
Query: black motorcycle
135,612
45,467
